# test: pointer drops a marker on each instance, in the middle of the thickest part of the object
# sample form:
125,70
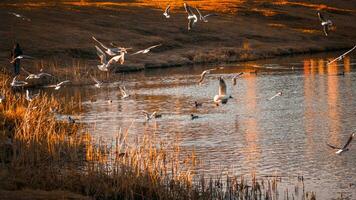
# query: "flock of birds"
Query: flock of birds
117,54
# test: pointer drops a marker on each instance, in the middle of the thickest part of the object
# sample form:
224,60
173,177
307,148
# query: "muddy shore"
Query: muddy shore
255,31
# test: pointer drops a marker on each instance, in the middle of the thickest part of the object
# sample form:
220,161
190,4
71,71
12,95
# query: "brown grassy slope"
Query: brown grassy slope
249,34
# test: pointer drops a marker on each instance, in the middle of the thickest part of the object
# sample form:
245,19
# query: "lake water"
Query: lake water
285,136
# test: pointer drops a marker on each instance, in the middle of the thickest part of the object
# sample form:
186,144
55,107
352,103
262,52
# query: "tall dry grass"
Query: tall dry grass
39,152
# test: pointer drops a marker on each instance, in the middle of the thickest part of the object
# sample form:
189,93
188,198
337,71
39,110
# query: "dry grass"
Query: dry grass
39,152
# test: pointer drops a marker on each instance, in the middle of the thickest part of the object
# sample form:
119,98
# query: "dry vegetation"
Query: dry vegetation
37,152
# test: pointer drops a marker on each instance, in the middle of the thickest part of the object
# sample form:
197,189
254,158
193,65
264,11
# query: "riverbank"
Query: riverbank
254,31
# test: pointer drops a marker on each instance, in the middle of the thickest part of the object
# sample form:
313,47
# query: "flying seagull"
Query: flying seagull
106,64
325,23
204,17
19,16
149,116
342,56
59,85
276,95
234,82
192,18
166,12
144,51
21,57
124,94
221,97
30,97
98,84
205,72
110,51
35,76
344,148
16,83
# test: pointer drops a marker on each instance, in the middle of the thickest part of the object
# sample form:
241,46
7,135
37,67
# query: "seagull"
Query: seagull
204,17
344,148
191,16
196,104
16,83
106,64
21,57
35,76
276,95
166,12
235,77
122,49
59,85
30,97
221,97
192,116
98,84
151,116
2,98
110,51
205,72
144,51
19,16
325,23
123,92
342,56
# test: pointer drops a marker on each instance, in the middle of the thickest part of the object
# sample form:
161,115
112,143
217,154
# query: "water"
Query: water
286,136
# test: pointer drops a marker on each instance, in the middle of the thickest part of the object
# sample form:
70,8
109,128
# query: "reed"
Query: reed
39,152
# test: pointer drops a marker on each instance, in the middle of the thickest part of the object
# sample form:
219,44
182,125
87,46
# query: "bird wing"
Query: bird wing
154,46
321,17
190,24
347,52
95,80
101,55
167,8
222,87
122,90
326,30
63,82
210,15
115,59
44,74
234,82
138,52
331,146
202,76
349,140
101,44
153,114
188,9
200,15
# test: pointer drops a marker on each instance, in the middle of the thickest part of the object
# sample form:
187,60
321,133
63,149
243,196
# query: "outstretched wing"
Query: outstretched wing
326,30
101,55
331,146
167,8
154,46
321,17
222,87
63,82
200,15
349,140
188,9
101,44
210,15
115,59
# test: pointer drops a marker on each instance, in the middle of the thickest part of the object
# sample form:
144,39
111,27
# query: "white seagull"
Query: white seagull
30,97
19,16
234,82
325,23
106,64
124,94
276,95
35,76
110,51
205,72
21,57
204,17
342,56
166,12
344,148
221,97
16,83
192,18
150,116
59,85
144,51
98,83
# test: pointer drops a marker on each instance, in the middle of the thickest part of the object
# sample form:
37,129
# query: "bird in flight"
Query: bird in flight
149,116
19,16
342,56
205,72
59,85
98,83
144,51
325,23
204,17
276,95
110,51
166,11
192,17
124,93
344,148
222,97
234,78
106,64
16,83
21,57
30,97
35,76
